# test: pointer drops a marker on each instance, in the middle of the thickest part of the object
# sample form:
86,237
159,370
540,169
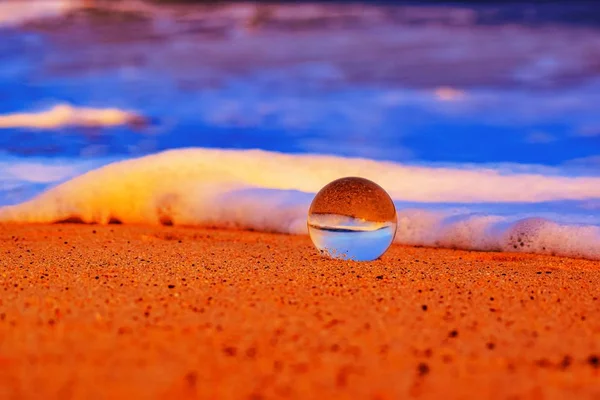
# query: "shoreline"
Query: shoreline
102,311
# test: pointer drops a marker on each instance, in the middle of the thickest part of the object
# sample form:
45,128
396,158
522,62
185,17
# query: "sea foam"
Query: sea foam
268,191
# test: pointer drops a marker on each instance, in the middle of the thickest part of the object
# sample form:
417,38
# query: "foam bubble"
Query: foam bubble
538,235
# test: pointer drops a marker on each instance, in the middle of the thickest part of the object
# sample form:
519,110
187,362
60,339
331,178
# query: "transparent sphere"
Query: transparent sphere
352,218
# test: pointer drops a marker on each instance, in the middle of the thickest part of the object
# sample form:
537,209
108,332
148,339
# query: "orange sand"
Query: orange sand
142,312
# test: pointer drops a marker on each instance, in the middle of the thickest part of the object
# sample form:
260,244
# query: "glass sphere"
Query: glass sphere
352,218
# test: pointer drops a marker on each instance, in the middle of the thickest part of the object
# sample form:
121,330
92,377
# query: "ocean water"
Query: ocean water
481,122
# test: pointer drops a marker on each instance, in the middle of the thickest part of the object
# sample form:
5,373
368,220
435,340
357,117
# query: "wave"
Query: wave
268,191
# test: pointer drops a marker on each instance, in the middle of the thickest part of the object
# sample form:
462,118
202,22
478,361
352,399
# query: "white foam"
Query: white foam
62,115
270,191
495,233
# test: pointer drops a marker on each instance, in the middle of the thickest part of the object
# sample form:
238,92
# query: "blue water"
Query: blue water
418,85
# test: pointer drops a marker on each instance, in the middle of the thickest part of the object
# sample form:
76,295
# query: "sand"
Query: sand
166,312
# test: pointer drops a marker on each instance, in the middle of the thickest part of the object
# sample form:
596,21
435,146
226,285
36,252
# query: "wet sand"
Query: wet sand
168,312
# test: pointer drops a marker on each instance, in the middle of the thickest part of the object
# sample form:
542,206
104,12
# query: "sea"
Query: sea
481,120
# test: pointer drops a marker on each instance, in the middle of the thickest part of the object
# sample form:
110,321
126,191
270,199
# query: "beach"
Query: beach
126,311
159,161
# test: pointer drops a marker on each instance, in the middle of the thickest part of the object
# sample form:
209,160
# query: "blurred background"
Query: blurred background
474,83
